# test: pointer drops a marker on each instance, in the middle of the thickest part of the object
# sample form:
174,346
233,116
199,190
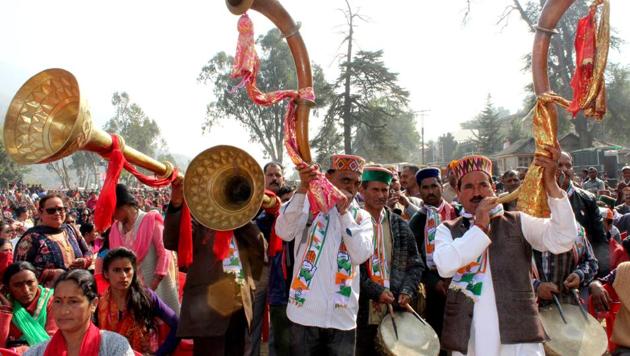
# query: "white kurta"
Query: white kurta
319,308
556,235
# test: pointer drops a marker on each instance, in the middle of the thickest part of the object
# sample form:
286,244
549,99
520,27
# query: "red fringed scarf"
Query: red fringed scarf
322,194
89,346
275,243
106,203
585,51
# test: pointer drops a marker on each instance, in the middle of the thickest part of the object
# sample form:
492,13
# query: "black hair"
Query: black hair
86,228
5,241
105,236
83,279
20,210
411,167
124,197
139,302
509,173
42,201
272,163
16,268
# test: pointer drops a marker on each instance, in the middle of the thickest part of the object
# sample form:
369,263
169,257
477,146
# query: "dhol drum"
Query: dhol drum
415,337
577,337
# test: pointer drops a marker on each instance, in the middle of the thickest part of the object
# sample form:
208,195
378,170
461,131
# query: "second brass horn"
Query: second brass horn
224,188
48,120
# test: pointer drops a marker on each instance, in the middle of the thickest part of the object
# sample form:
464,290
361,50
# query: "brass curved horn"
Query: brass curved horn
275,12
224,188
48,120
551,13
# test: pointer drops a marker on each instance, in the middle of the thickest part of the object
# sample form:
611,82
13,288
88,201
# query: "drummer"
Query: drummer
392,274
490,306
559,274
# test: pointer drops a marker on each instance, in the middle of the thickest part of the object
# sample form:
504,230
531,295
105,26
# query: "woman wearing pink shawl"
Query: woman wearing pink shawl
142,233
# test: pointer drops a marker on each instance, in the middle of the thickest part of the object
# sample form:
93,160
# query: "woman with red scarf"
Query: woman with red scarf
131,309
74,303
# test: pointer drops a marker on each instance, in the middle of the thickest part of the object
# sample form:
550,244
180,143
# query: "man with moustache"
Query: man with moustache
586,212
424,223
271,285
624,182
329,247
511,182
392,274
410,198
487,253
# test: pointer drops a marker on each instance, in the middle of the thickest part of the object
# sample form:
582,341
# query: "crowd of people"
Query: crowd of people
317,282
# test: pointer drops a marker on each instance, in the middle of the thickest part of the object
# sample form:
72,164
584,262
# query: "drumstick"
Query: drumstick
577,299
391,313
557,302
410,309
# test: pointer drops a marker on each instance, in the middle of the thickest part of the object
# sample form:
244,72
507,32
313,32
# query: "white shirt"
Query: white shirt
319,308
556,235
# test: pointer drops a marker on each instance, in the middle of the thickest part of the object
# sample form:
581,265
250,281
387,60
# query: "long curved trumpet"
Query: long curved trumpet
48,120
275,12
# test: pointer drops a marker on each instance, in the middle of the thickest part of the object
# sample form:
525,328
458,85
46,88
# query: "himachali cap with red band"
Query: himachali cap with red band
470,164
347,163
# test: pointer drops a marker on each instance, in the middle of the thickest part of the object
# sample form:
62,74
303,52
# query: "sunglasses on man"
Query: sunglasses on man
52,211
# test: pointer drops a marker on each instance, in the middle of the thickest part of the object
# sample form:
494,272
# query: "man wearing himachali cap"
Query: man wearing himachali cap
392,274
490,305
329,247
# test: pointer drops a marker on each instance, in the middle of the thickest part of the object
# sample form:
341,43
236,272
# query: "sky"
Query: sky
155,49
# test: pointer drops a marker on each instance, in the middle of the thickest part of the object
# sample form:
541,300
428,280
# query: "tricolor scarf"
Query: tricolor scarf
33,327
435,216
378,269
469,279
232,264
300,287
89,346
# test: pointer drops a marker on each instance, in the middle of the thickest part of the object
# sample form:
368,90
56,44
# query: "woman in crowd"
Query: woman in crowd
6,255
74,303
133,310
53,247
141,232
25,313
91,236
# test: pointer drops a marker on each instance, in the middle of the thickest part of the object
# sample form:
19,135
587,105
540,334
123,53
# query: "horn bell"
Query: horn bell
224,187
47,119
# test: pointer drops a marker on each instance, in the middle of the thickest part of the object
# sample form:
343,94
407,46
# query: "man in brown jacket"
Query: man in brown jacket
217,305
490,305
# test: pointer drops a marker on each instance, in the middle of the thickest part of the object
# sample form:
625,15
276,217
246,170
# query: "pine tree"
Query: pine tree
486,130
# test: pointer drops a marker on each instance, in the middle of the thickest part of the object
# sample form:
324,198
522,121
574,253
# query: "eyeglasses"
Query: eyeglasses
70,221
59,210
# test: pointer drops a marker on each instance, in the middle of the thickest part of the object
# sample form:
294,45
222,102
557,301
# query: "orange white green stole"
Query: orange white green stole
300,286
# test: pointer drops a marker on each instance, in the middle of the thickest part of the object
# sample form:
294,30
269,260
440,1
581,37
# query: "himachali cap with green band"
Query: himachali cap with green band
377,174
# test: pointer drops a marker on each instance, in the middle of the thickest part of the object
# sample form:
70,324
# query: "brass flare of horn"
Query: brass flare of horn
48,120
549,17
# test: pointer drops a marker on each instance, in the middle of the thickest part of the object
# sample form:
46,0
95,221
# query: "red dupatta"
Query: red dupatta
89,346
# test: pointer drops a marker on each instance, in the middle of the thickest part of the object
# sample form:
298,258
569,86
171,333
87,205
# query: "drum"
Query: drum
578,337
414,336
